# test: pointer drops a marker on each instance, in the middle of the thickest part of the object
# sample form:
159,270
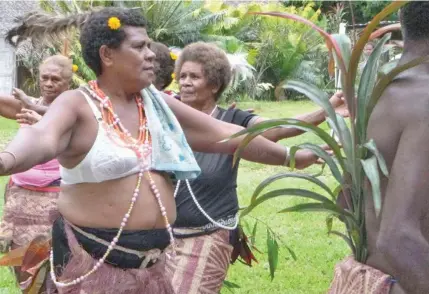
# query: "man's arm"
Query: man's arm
404,229
9,107
44,140
314,118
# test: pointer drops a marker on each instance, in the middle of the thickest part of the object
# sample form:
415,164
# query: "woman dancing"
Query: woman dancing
118,144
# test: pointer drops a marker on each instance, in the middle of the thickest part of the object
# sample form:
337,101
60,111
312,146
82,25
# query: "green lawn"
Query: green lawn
305,233
7,129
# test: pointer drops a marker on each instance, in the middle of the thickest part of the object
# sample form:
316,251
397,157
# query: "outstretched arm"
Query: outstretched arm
314,118
44,140
27,102
9,107
204,133
404,229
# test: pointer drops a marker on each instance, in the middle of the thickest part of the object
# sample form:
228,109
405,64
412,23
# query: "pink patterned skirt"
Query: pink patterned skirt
201,263
352,277
108,279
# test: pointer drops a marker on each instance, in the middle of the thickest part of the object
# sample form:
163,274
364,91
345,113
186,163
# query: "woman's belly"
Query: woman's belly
103,205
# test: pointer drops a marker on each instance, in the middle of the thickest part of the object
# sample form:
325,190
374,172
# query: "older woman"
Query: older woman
207,206
118,144
31,195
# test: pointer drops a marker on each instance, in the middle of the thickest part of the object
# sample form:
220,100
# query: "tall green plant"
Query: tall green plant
359,158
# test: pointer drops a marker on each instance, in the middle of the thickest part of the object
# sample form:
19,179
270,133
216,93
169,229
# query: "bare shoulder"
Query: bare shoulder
70,98
403,102
71,101
64,111
403,106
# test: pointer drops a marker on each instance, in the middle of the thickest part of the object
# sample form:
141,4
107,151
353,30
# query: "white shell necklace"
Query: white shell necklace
218,224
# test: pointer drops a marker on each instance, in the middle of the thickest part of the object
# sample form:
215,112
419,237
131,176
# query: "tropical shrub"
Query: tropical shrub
359,161
268,58
275,50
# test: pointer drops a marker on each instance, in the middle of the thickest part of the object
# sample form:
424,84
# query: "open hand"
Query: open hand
339,104
304,158
28,117
21,96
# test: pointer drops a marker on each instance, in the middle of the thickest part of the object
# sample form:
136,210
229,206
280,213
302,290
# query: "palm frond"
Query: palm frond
242,71
44,28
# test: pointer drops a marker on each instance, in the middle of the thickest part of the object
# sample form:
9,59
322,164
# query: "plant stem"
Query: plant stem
353,22
268,227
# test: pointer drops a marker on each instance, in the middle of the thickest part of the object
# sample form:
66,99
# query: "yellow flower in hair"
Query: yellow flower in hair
173,76
75,68
114,23
173,56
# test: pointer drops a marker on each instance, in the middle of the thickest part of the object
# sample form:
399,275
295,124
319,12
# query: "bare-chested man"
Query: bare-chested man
398,240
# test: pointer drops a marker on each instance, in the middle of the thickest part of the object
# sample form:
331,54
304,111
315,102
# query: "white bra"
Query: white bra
105,161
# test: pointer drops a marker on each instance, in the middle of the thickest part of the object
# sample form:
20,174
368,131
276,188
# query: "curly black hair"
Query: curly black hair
415,20
96,32
214,61
164,65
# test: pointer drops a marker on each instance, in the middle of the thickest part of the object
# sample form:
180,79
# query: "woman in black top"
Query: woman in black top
207,206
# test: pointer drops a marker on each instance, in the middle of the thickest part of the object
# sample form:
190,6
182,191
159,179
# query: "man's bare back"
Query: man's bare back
398,238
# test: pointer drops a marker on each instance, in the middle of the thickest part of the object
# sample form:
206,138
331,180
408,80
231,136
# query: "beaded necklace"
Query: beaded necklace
142,147
218,224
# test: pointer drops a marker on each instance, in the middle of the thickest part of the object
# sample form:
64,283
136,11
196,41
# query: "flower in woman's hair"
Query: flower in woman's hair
173,56
173,76
75,68
114,23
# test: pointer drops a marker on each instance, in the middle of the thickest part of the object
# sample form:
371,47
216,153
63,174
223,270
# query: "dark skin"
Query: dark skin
196,92
52,83
398,240
68,130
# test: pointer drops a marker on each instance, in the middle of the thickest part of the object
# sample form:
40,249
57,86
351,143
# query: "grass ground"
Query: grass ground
304,233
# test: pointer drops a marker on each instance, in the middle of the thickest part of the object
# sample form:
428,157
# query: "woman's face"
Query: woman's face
367,50
133,60
193,84
52,81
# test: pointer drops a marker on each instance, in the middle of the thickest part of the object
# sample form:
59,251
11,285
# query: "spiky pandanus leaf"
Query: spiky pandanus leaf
366,85
361,159
277,177
262,127
319,152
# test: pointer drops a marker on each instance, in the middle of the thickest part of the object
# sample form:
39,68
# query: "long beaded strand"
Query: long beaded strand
141,145
145,140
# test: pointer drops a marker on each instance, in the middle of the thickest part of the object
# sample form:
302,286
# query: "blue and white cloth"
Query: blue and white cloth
170,150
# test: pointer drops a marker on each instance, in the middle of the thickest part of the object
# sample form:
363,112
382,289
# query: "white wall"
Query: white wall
9,10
